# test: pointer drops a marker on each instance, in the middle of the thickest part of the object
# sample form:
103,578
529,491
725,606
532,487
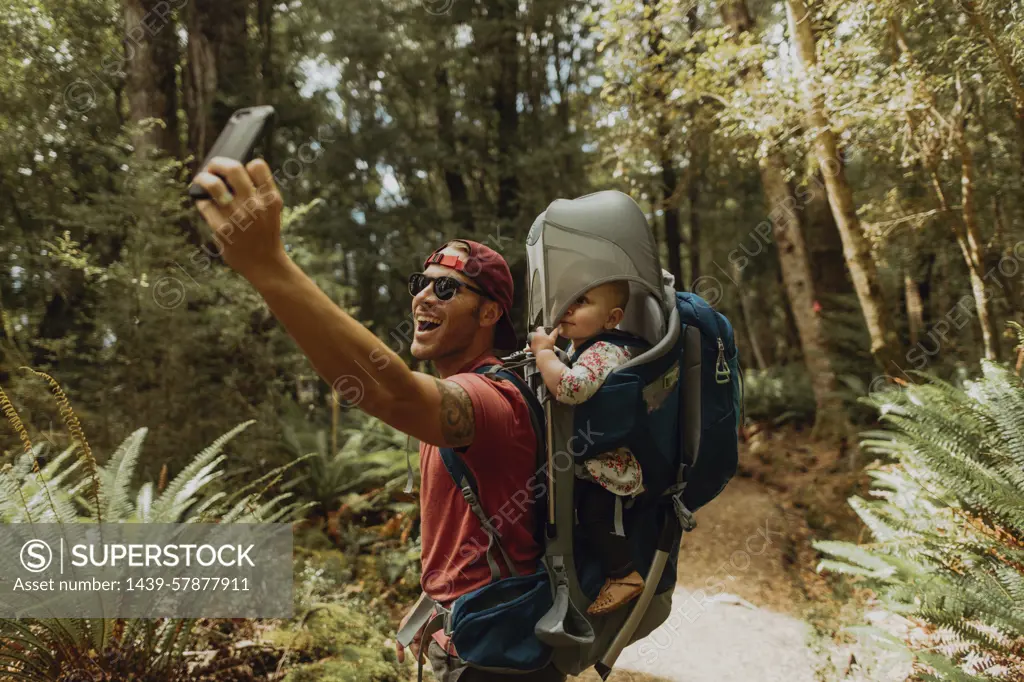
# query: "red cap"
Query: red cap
490,272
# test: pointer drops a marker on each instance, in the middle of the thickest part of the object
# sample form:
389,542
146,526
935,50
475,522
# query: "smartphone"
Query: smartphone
237,141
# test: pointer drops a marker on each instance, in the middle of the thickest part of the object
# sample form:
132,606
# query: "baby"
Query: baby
615,473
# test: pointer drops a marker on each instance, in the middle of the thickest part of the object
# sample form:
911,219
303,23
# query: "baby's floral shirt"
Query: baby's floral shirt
617,471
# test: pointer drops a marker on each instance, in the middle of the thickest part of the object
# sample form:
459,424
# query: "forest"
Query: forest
843,179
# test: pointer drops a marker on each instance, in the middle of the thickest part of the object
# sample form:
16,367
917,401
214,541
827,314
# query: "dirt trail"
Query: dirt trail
747,585
746,579
735,615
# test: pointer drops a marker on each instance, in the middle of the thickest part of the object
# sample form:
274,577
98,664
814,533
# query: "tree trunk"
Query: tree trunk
746,310
736,16
535,78
915,308
458,195
669,174
695,171
1020,143
796,276
884,344
1005,244
368,298
795,266
670,206
824,245
564,64
151,48
221,74
969,252
506,94
968,232
268,74
971,246
693,178
787,336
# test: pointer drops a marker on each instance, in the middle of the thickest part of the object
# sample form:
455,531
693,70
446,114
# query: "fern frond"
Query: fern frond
117,475
75,429
947,520
15,421
171,499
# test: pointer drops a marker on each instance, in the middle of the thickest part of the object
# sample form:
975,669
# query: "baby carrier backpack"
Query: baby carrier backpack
676,404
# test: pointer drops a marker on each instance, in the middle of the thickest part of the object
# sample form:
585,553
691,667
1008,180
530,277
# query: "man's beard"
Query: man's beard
456,340
458,344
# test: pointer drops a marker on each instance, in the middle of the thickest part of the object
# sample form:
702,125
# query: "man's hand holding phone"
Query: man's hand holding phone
246,220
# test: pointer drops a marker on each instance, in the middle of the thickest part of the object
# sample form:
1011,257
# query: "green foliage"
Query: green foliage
358,500
371,455
138,316
778,393
56,492
47,649
64,649
948,521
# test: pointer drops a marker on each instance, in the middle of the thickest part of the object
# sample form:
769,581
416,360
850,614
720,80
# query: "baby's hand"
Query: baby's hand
541,340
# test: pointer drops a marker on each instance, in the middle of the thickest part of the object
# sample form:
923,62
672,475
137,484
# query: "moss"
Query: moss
335,567
334,670
312,538
348,637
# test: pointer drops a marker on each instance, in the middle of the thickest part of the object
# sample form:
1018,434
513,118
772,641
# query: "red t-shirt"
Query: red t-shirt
502,459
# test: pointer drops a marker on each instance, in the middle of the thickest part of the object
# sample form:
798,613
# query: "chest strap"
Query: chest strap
465,482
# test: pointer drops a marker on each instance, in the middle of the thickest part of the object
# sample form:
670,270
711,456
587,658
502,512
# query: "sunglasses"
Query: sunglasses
444,287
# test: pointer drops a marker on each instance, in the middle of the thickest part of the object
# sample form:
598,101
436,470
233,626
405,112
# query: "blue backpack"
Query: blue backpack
679,415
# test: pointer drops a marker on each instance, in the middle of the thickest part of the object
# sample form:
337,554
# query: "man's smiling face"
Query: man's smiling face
445,328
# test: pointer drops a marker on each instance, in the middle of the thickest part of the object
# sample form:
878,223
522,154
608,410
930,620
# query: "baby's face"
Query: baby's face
590,314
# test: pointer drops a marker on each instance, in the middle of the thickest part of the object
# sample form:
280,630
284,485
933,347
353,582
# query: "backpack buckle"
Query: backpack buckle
446,614
685,516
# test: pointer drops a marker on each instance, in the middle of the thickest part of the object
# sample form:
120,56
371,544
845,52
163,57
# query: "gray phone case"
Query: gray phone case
237,141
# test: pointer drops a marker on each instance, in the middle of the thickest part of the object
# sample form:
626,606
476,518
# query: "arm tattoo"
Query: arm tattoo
457,422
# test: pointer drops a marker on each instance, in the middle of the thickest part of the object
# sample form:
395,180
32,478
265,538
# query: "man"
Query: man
461,309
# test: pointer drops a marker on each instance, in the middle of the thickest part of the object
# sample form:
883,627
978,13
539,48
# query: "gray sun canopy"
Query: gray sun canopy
577,244
573,246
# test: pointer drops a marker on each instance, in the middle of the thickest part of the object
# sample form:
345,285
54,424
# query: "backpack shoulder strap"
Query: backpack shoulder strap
690,418
466,483
616,337
537,422
535,409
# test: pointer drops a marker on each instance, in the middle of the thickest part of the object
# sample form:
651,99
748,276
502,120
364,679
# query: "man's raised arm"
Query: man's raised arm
347,355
